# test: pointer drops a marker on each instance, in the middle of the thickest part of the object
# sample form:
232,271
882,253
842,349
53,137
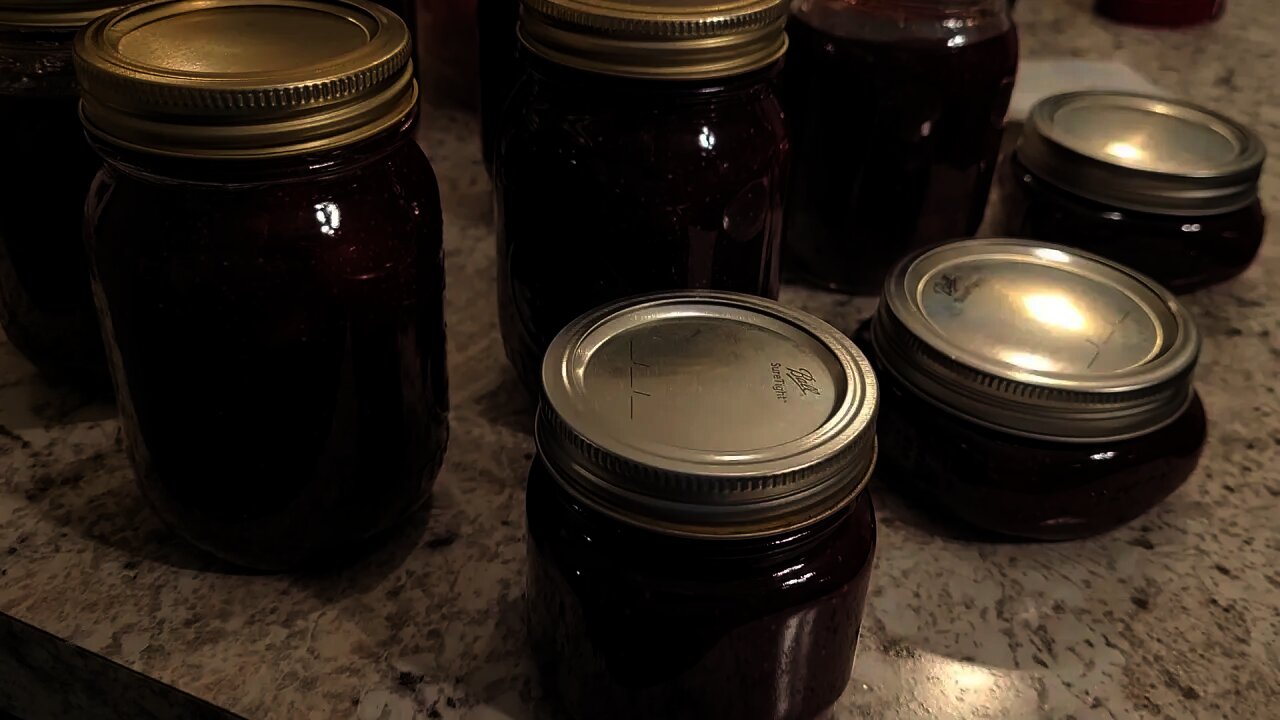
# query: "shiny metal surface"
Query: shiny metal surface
1143,153
52,13
664,39
708,414
244,78
1037,339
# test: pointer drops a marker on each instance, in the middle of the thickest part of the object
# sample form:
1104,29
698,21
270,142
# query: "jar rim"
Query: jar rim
1143,152
727,441
1037,339
278,78
53,14
689,41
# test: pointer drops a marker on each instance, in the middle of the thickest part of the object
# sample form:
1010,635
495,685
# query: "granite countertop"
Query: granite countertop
104,614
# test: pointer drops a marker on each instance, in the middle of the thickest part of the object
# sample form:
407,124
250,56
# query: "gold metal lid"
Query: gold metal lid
660,39
244,78
708,414
1143,153
53,14
1037,340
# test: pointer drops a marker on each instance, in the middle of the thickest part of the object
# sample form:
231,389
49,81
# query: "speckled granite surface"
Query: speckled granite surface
1176,616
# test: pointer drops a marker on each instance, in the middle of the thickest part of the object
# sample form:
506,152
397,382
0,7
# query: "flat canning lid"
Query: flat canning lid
1143,153
708,414
244,78
1037,340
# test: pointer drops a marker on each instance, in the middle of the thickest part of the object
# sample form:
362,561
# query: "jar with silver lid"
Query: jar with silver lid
1034,390
1161,185
700,537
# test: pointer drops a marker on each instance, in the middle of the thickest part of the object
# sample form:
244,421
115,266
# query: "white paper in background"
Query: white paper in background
1042,77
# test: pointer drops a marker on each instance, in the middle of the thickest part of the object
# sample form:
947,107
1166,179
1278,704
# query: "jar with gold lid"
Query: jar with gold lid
265,241
701,538
1159,184
46,306
643,149
1032,389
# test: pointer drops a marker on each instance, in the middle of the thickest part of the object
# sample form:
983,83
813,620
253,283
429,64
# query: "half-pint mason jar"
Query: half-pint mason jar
700,534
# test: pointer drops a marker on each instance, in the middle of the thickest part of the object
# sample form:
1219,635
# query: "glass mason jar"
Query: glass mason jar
46,305
688,559
896,110
637,154
265,241
1033,390
1163,186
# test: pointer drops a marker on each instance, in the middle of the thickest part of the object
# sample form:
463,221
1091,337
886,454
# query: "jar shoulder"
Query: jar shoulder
398,183
583,546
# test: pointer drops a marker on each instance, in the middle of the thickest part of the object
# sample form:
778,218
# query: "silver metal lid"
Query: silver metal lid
708,414
1143,153
1037,340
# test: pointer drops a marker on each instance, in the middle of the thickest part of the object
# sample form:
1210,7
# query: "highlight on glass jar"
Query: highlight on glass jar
1161,185
643,150
1033,390
700,536
46,304
896,110
265,240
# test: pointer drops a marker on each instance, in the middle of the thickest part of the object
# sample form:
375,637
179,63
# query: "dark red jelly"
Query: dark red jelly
609,187
1181,252
496,23
46,305
896,112
277,338
1025,487
627,623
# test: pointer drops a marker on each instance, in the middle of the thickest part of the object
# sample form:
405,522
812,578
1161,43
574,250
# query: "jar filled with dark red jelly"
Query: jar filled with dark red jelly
1163,186
700,536
265,240
46,305
1033,390
896,110
643,149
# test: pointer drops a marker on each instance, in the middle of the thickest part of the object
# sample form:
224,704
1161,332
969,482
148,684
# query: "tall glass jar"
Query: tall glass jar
896,110
688,560
46,306
265,240
637,154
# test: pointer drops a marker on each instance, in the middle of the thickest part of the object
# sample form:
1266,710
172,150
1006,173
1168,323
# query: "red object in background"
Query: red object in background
1167,13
